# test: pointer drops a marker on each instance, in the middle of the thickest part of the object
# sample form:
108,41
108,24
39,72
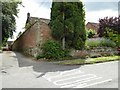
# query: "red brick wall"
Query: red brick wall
46,32
32,39
29,38
26,40
89,26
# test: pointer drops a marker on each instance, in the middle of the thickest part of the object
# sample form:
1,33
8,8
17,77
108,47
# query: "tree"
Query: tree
113,23
67,22
9,11
110,28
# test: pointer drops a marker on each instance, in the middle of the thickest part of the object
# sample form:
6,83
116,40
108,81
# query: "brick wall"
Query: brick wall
31,40
93,26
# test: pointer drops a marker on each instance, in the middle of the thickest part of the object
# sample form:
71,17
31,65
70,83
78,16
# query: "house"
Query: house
31,40
93,26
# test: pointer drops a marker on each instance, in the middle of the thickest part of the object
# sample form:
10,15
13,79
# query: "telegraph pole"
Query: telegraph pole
63,39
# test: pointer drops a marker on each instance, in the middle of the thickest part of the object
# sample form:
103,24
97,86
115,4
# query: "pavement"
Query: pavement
18,71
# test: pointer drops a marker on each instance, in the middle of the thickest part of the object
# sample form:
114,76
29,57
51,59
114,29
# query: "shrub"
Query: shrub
112,35
107,43
53,50
92,43
109,22
40,56
90,33
100,42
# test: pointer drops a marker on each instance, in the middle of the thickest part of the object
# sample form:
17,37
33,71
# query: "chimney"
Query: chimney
28,17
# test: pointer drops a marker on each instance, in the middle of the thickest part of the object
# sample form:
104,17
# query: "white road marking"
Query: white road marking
56,82
72,85
93,84
81,81
74,79
74,70
49,78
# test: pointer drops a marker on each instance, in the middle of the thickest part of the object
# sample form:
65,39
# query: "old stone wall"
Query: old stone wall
31,40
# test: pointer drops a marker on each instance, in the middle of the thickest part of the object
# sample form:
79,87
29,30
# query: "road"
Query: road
19,71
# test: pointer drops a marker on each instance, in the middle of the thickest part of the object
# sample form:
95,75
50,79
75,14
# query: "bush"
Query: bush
91,33
100,42
112,35
53,50
40,56
92,43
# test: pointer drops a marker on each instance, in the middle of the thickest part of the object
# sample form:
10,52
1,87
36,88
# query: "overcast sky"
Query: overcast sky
41,8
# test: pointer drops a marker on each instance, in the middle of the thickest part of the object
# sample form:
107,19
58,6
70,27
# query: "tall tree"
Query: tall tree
9,11
68,23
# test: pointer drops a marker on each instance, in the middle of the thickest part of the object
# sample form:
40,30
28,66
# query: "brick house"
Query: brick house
31,40
93,26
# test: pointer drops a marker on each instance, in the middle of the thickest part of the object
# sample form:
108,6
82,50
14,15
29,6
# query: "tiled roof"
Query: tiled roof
94,24
41,19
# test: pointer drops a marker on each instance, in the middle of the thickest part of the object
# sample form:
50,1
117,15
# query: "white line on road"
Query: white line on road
72,85
64,72
93,84
49,78
56,82
75,83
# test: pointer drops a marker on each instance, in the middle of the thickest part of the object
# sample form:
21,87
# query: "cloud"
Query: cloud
101,0
95,6
41,9
94,16
35,10
119,8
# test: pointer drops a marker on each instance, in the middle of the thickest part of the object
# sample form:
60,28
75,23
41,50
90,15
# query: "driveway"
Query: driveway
19,71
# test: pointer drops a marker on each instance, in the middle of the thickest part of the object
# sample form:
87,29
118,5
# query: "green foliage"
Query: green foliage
91,33
0,47
53,50
112,23
100,42
9,11
90,61
73,23
113,35
39,56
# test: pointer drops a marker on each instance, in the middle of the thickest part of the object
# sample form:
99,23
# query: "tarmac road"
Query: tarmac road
19,71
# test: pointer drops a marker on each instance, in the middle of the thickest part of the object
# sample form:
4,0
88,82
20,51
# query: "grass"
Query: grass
90,60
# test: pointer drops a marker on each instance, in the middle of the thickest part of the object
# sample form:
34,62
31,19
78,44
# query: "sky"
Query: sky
41,9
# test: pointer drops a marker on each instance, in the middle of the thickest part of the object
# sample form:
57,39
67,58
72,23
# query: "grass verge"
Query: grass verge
90,60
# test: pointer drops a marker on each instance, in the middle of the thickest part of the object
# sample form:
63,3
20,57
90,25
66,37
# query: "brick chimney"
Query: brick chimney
28,17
